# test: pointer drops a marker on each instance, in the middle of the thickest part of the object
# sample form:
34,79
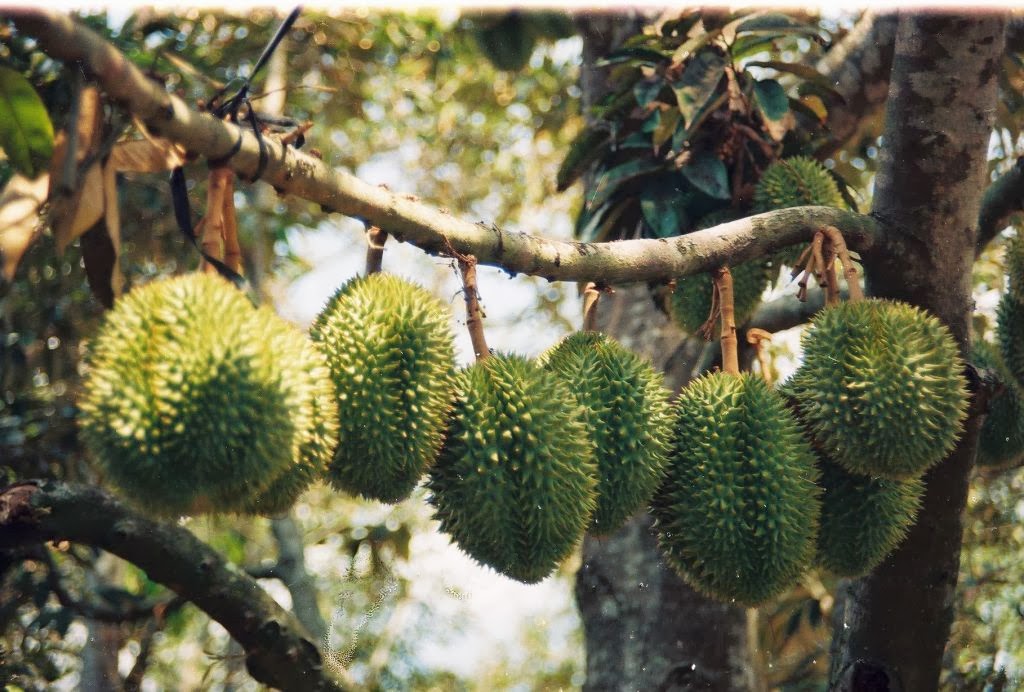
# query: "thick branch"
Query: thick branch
278,653
859,68
431,229
1002,199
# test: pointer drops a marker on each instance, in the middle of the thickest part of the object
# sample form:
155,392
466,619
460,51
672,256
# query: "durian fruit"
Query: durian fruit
690,303
195,400
1001,443
737,512
795,182
515,485
1010,333
862,519
881,388
316,417
629,416
388,344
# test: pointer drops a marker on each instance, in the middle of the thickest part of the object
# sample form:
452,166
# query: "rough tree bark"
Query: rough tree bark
929,188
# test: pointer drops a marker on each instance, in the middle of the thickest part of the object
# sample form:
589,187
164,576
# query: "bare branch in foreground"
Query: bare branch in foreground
278,652
1002,199
431,229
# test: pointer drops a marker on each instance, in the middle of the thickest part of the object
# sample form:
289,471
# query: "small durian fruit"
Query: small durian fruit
515,485
690,303
795,182
388,344
1001,442
187,406
315,414
881,388
628,414
737,511
1010,332
862,519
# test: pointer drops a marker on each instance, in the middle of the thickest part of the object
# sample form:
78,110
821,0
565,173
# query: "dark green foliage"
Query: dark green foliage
198,402
628,415
795,182
1001,443
690,303
388,344
862,519
1010,314
515,485
881,388
737,513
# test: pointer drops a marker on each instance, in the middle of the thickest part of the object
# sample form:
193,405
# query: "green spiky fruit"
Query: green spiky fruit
195,400
881,388
1010,333
316,416
690,303
795,182
737,512
1015,267
628,414
389,347
515,485
863,519
1001,443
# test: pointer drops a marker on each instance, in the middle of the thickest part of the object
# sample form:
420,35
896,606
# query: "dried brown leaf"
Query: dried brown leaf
74,214
20,202
147,156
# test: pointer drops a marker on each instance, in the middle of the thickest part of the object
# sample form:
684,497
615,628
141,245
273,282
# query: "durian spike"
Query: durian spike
375,239
849,269
730,348
758,338
232,249
213,223
591,297
474,315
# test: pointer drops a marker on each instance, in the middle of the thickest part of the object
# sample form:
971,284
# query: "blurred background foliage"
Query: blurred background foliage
475,113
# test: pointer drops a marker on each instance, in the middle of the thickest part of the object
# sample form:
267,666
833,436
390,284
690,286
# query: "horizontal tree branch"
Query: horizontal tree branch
1002,199
278,652
433,230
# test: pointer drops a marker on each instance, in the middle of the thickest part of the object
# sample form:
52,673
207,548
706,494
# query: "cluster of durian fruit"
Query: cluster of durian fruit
196,401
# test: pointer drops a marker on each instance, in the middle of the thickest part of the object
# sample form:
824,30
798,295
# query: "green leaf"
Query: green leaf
613,178
663,205
708,174
666,126
774,23
588,146
806,72
26,133
647,90
771,99
699,82
640,55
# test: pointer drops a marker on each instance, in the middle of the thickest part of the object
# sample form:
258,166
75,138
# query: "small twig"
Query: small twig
801,261
69,171
591,297
232,249
707,330
730,347
474,315
818,253
299,131
375,240
849,269
831,281
758,338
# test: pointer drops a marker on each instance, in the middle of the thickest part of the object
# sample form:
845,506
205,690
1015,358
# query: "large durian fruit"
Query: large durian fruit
628,414
515,485
196,401
795,182
881,388
690,302
1001,442
389,348
737,512
862,519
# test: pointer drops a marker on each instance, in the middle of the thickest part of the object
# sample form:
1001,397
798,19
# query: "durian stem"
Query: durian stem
375,239
730,347
474,315
232,249
831,282
849,269
591,297
707,330
213,223
758,338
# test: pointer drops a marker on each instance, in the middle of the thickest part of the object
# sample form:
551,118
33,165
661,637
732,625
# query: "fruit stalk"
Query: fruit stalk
375,239
730,349
474,315
591,296
849,270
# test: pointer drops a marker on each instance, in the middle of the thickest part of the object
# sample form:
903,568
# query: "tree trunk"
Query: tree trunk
930,182
644,628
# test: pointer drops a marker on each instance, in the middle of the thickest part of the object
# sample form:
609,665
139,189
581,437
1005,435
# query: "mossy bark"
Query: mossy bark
933,172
